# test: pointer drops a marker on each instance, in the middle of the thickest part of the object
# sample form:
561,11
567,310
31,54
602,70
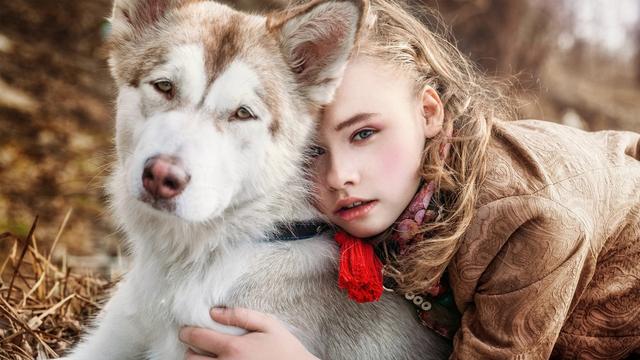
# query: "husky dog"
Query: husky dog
215,109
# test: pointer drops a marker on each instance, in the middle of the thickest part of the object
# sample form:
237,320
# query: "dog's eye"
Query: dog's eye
244,113
165,87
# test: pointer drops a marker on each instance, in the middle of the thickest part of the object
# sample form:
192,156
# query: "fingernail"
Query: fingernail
217,311
182,335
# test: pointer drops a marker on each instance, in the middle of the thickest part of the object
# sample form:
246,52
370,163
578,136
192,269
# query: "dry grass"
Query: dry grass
43,306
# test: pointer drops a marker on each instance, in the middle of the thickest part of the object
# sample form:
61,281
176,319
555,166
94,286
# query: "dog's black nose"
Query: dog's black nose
164,177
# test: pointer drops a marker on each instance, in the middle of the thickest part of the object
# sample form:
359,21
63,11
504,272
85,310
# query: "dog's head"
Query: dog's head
215,106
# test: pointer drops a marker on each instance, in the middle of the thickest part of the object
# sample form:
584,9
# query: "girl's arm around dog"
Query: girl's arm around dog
267,339
541,257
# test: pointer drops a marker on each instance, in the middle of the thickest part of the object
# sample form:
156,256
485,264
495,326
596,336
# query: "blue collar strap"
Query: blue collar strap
298,231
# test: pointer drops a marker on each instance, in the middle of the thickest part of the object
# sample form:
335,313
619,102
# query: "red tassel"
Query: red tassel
360,269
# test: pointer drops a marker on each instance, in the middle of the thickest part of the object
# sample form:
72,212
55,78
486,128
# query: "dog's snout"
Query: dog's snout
164,177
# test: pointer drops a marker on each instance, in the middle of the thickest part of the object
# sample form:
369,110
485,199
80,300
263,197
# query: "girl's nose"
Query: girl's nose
341,173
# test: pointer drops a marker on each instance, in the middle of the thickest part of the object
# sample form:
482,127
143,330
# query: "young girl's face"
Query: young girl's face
370,146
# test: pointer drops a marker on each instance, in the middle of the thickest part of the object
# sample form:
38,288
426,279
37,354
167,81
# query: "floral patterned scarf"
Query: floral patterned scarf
435,307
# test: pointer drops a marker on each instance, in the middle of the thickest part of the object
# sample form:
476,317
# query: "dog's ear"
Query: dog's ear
317,38
131,16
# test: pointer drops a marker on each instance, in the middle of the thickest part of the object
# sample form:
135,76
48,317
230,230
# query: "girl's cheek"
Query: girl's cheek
320,192
393,164
316,202
318,173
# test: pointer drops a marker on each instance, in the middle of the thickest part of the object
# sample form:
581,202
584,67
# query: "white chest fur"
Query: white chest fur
184,295
178,296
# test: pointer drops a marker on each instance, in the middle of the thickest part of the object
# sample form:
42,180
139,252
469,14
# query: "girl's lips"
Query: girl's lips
356,212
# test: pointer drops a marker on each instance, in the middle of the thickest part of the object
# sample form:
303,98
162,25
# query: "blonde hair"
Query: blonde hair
470,101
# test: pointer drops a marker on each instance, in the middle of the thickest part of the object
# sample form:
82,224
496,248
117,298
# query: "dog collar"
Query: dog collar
298,231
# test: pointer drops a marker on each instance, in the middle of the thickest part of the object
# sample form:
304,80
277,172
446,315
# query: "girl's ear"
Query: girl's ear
317,39
432,112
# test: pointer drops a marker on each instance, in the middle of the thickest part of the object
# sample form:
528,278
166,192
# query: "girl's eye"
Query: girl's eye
363,134
314,151
165,87
244,113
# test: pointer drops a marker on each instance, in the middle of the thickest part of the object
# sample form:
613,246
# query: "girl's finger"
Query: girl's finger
250,320
206,340
193,356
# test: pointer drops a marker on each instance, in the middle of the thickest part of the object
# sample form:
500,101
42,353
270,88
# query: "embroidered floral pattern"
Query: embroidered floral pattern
554,247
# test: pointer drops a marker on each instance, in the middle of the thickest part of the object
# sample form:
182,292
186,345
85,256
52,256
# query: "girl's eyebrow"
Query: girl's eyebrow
354,119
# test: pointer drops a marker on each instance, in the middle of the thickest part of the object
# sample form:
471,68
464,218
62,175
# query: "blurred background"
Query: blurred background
570,61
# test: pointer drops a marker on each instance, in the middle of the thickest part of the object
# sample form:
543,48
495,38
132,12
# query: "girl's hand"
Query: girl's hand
267,338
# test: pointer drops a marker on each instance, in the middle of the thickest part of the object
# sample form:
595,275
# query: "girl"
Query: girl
523,237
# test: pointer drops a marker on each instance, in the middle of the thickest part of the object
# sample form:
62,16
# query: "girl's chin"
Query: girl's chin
362,230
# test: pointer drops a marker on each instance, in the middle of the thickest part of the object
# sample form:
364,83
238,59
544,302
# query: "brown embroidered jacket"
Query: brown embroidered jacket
550,266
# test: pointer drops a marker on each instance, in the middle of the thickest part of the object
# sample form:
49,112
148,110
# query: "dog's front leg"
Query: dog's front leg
119,333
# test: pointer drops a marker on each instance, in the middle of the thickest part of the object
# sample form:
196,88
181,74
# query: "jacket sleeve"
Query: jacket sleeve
541,263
